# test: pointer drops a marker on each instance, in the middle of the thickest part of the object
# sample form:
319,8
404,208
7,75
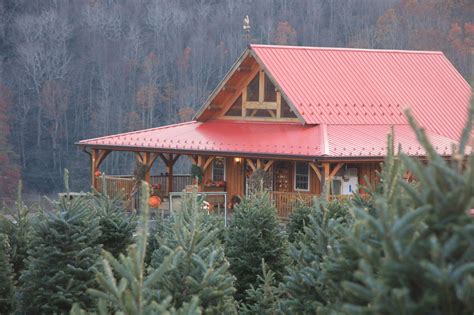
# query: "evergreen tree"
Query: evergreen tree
255,234
419,256
199,267
297,220
116,225
265,298
321,260
61,260
18,230
6,277
133,293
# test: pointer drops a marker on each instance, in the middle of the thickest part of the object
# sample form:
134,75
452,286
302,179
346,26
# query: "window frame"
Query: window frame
295,174
224,168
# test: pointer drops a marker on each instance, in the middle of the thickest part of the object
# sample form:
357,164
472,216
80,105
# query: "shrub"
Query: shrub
6,277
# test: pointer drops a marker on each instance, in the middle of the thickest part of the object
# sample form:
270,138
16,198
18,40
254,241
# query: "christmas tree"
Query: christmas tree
264,299
6,277
116,225
18,231
61,259
134,293
418,250
199,267
255,234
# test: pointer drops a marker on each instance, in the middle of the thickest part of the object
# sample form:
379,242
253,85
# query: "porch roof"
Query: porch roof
264,139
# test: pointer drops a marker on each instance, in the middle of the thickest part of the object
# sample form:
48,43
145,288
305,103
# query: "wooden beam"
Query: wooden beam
261,105
176,157
163,158
259,164
94,154
229,88
251,164
139,157
214,107
101,157
327,179
268,165
278,104
208,162
336,169
261,81
315,168
244,69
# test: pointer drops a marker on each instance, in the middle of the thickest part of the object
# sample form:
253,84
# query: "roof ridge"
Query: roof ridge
400,51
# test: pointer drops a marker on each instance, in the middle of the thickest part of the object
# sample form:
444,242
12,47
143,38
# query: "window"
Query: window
270,93
286,110
336,186
253,90
236,108
218,169
301,176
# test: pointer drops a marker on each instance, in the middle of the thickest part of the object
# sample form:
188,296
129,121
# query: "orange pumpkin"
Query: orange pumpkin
154,201
97,173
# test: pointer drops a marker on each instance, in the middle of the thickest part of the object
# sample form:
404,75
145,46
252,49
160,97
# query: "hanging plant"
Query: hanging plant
197,172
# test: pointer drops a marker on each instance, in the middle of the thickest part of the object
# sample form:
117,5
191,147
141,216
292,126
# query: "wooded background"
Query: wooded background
76,69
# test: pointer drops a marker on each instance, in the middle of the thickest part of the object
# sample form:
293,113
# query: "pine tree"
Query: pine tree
297,220
18,231
134,292
264,299
116,225
255,234
199,267
62,257
6,277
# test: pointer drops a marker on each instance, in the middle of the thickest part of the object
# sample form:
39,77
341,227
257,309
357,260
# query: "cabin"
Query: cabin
308,117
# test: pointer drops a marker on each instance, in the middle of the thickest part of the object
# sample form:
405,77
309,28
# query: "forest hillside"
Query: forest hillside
71,70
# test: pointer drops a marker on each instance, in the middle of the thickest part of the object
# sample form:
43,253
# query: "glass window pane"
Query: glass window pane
301,176
270,94
285,110
218,169
336,187
236,108
253,90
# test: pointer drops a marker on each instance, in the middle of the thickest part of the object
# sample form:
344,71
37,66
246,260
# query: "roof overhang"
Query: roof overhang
272,140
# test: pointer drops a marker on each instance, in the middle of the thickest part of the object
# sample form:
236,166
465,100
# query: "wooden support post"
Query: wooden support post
97,157
327,179
169,169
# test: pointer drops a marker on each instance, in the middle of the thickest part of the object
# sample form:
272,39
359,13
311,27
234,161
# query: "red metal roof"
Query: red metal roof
275,139
359,86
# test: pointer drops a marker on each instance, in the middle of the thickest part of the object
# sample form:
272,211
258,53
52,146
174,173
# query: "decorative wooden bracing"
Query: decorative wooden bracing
259,164
97,157
169,160
147,159
329,174
315,168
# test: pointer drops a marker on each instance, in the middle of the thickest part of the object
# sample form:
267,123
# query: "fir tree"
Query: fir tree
255,234
61,260
199,267
133,293
18,230
264,299
419,256
116,225
321,260
297,220
6,277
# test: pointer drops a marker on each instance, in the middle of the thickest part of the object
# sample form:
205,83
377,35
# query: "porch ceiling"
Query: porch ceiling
264,139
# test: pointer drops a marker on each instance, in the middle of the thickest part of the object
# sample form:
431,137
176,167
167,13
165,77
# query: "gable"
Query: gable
247,93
